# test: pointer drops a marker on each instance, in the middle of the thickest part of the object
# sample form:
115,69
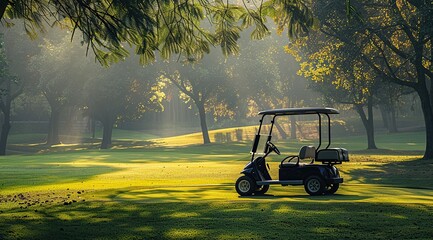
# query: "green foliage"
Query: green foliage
10,85
121,93
225,16
294,16
202,87
264,77
257,19
335,71
393,42
169,27
62,70
199,83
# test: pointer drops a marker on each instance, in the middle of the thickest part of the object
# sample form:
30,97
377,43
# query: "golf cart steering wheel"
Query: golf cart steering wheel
273,147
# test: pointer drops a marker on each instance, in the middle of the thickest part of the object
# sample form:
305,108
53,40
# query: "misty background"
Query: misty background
68,97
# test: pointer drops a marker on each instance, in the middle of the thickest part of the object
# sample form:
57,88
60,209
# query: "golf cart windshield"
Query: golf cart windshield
264,133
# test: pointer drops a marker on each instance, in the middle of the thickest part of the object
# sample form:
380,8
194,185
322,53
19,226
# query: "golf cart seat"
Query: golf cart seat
306,152
333,155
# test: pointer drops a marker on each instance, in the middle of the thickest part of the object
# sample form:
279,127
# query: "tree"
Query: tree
202,89
17,53
266,78
395,39
200,85
120,93
390,100
158,25
10,88
340,76
62,71
343,77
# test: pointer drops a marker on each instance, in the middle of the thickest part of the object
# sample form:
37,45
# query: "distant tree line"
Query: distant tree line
216,87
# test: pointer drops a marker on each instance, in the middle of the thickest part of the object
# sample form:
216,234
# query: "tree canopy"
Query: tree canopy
168,27
390,41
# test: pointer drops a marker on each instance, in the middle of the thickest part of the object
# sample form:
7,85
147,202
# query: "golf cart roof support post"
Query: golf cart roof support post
260,126
272,126
320,132
269,138
329,131
257,138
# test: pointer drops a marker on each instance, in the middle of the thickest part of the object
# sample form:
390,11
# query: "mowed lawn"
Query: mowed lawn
174,188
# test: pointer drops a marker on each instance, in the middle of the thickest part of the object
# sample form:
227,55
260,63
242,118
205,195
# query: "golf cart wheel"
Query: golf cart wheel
332,188
261,190
245,186
314,185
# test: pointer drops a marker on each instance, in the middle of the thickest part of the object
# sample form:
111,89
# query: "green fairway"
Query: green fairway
152,188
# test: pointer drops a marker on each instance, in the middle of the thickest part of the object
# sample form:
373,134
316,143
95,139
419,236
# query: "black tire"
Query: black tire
314,185
332,188
261,190
245,186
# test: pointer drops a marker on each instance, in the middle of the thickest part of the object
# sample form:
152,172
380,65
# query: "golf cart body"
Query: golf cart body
317,178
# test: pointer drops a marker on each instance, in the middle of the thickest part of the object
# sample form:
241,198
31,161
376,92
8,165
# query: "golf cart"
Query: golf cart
318,179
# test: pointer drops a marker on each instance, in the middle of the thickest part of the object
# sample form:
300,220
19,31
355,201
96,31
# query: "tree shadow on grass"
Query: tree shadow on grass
416,173
218,220
323,198
388,152
219,193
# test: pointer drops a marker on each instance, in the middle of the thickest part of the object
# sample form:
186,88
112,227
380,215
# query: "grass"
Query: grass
154,188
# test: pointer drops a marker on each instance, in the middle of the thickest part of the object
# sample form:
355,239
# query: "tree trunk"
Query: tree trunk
6,126
385,115
93,127
281,130
389,117
3,6
293,134
422,88
393,121
428,120
431,70
53,127
202,114
107,133
368,123
6,109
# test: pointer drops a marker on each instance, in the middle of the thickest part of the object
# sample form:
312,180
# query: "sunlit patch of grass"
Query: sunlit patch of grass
247,134
184,233
283,210
183,215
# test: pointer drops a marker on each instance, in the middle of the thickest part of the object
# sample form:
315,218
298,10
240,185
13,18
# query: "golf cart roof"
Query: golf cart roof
300,111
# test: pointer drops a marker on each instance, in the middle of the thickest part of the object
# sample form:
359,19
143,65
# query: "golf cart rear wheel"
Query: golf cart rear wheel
245,186
314,185
332,188
261,190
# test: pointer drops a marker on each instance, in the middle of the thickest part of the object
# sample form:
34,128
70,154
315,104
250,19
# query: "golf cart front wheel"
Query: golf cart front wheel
314,185
245,186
